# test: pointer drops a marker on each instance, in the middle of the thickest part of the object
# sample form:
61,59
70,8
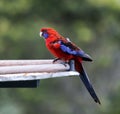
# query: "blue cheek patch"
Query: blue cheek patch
45,35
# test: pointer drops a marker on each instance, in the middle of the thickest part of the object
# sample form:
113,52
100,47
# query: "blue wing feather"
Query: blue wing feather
70,48
67,50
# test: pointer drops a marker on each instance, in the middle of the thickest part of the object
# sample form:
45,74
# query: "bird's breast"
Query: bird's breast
57,52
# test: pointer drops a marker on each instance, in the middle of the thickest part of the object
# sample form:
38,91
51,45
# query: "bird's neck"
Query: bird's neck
53,38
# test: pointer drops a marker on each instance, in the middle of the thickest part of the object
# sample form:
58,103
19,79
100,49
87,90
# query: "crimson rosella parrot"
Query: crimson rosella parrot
64,49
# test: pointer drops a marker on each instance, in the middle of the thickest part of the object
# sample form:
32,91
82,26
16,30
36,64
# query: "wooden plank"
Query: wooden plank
27,73
24,62
33,68
36,76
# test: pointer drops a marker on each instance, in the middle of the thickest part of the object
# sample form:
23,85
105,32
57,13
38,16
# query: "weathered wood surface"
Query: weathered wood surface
33,68
24,62
36,76
12,70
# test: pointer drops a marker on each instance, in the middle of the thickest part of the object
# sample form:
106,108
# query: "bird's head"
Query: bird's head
48,32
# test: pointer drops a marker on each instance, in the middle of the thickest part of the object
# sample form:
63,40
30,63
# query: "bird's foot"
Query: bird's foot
58,60
63,63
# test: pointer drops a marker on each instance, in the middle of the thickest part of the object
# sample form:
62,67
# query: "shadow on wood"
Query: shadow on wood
20,84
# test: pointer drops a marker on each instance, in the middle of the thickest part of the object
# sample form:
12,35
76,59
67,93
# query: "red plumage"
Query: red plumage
53,45
64,49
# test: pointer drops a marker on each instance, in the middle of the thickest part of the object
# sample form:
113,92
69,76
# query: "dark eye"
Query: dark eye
45,35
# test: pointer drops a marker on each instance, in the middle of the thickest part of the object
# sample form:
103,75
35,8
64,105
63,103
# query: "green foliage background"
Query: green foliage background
94,25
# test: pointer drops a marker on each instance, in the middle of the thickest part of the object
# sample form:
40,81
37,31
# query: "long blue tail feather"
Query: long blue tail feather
84,77
88,85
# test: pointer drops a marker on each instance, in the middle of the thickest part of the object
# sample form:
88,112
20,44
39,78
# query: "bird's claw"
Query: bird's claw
63,63
56,59
60,61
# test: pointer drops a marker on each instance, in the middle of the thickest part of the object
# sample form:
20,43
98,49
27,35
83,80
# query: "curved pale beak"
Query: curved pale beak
40,34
